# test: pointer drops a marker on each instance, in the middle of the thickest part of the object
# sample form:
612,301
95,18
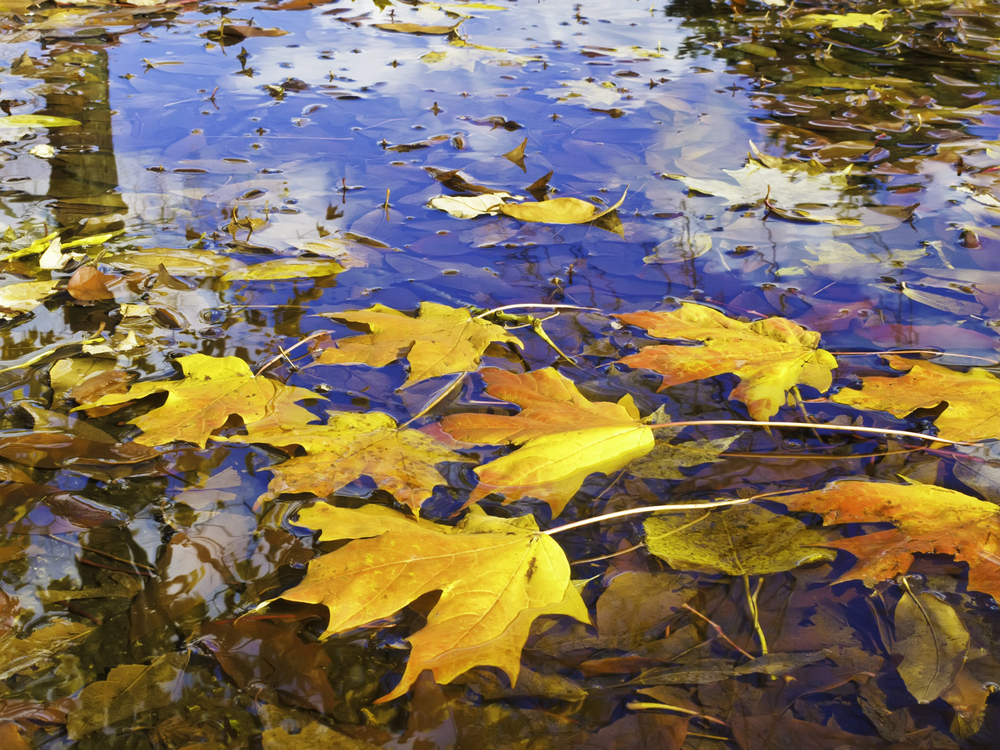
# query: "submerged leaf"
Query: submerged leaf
770,356
212,390
441,340
285,268
933,642
496,577
565,437
128,691
350,446
744,540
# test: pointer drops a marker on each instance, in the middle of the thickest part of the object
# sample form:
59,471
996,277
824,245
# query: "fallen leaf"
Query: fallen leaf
468,207
770,356
516,155
932,642
564,437
87,284
23,297
927,519
399,460
967,696
10,737
241,31
36,121
416,28
969,415
128,691
558,211
680,249
22,655
440,340
665,460
285,268
212,390
743,540
496,576
314,736
841,20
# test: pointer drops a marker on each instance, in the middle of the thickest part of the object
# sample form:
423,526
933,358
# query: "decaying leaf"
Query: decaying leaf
743,540
127,692
496,577
666,459
564,437
440,340
933,642
212,390
769,356
22,655
928,519
972,397
468,206
350,446
558,211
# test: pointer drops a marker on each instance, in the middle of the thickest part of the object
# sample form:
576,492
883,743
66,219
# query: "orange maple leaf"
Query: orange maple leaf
928,519
973,397
565,437
495,575
770,356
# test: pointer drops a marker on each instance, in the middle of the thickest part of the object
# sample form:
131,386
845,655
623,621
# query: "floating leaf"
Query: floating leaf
416,28
23,297
743,540
928,520
496,577
441,340
564,437
350,446
212,390
970,414
36,121
841,20
285,268
933,642
468,206
770,356
128,691
558,211
516,155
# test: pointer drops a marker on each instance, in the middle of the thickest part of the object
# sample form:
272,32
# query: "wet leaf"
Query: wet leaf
679,249
841,20
179,262
564,437
23,297
468,207
927,519
969,395
127,692
933,643
558,211
440,340
416,28
967,696
744,540
22,655
516,155
770,356
496,577
285,268
212,390
314,736
36,121
88,284
350,446
665,460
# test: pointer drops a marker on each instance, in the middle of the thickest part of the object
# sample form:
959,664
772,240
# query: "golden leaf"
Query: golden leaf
441,340
496,577
770,356
565,437
558,211
212,390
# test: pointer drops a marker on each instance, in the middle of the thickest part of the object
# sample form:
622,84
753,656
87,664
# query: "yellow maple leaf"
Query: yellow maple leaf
973,411
212,390
565,437
770,356
349,446
496,576
441,340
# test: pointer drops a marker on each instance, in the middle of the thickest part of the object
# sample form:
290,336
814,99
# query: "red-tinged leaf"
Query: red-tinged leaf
88,284
928,520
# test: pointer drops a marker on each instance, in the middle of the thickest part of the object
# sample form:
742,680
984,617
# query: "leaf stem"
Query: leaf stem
644,705
808,426
647,509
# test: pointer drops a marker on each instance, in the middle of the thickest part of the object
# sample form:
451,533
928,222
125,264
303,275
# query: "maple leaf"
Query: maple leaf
564,437
441,340
973,397
349,446
770,356
212,390
496,577
928,519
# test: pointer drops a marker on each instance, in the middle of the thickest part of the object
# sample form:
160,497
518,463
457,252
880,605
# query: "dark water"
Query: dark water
240,153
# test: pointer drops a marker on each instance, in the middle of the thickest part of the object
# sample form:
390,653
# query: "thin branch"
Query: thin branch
284,352
619,553
533,307
133,563
808,426
437,400
936,353
717,629
644,705
648,509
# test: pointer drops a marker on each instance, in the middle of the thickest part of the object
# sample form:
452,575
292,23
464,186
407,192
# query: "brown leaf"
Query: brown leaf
88,284
516,155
